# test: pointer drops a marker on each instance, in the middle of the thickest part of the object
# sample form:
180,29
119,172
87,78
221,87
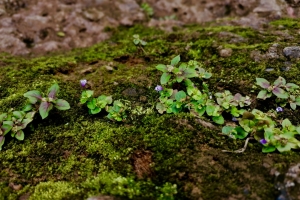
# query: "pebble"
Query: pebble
292,52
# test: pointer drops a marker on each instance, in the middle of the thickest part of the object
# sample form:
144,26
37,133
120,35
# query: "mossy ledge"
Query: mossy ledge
73,155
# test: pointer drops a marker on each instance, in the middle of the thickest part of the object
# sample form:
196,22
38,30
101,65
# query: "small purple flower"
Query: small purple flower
83,82
234,119
158,88
279,109
263,141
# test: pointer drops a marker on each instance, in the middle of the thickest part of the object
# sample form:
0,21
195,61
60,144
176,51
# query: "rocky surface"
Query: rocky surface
38,27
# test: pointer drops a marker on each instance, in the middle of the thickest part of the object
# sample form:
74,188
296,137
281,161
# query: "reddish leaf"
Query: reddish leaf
33,96
53,90
44,109
62,104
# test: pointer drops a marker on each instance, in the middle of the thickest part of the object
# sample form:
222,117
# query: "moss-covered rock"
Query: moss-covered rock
74,155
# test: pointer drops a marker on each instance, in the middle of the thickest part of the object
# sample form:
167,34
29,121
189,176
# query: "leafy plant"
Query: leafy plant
47,103
15,121
117,111
147,9
139,43
95,105
285,92
197,101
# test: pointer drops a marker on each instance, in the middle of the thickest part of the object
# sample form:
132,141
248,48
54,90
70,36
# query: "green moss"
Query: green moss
55,190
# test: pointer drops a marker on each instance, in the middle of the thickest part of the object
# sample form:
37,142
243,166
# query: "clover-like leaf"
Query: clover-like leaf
44,109
86,95
175,60
61,104
180,96
33,96
165,77
53,90
263,83
92,104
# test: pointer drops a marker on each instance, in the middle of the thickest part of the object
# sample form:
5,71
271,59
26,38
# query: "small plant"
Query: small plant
117,111
197,101
139,43
47,103
285,92
147,9
95,105
15,121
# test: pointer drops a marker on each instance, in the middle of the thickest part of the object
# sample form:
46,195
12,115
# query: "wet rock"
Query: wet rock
225,52
292,52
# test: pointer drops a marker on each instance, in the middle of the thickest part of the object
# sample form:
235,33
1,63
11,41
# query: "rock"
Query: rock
292,52
272,52
225,52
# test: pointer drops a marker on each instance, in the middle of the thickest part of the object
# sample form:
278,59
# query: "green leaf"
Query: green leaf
280,81
62,104
262,94
161,108
162,68
18,114
240,133
280,93
27,108
136,41
234,111
179,79
165,77
262,83
207,75
210,109
190,73
53,90
218,119
188,83
20,135
227,130
293,106
92,104
175,60
2,139
281,149
2,117
291,86
268,149
86,95
33,96
44,109
179,96
95,111
6,128
286,123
